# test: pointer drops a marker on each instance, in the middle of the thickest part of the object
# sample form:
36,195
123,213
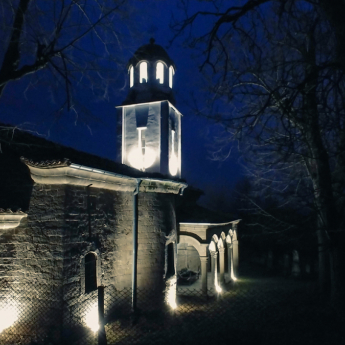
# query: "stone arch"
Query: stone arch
200,247
228,239
202,251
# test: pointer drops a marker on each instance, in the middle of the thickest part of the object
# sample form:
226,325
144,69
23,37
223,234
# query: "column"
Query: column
230,272
204,260
221,265
235,257
213,270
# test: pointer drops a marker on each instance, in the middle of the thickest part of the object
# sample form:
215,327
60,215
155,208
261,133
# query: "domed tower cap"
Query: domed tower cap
151,52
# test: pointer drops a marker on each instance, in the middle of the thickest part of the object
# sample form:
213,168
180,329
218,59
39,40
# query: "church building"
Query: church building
72,222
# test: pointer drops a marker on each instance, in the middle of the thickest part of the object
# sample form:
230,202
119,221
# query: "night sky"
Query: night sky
30,104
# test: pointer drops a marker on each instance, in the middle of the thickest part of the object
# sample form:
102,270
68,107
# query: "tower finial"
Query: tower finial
152,40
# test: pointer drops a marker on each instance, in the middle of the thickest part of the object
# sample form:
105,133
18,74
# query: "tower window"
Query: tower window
143,72
141,141
160,72
171,73
90,273
131,76
173,162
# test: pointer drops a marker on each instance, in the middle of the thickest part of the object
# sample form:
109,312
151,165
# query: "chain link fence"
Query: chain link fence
240,314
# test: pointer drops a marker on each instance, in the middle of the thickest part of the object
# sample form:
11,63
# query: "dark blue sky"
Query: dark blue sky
34,106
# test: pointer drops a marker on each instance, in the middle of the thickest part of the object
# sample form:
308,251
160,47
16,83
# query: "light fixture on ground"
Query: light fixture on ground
91,317
8,314
171,292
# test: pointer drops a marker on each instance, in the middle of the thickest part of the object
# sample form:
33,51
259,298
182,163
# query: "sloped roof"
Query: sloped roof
20,143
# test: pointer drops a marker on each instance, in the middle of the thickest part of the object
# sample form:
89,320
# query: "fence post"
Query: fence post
102,338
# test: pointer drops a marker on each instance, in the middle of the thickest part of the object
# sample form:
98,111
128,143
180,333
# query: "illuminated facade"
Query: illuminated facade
149,125
88,222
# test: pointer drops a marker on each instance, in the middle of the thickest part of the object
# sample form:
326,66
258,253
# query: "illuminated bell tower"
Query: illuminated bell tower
149,125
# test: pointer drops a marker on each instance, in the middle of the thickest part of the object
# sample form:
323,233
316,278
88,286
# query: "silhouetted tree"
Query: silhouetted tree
72,40
278,68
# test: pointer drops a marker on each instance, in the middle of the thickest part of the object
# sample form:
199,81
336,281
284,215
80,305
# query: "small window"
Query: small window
171,73
90,273
141,140
143,72
172,141
160,72
131,76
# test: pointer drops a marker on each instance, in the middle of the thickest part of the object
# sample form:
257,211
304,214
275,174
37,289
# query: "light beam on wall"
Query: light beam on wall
171,292
173,162
141,161
173,165
8,314
141,157
91,317
216,284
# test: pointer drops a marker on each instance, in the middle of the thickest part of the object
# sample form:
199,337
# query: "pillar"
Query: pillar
203,260
213,270
235,257
221,265
230,268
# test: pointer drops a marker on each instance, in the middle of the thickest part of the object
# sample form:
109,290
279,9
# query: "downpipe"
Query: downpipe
135,246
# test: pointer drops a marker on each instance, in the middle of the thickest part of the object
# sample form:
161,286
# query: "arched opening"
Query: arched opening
171,73
160,72
188,264
143,72
131,76
90,273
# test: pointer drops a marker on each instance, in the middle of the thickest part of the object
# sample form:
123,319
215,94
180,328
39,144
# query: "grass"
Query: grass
254,310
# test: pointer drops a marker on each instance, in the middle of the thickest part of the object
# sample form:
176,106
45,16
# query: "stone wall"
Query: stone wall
31,264
33,252
44,255
156,220
110,220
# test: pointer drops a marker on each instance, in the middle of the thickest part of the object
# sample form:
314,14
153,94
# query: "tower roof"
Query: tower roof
151,52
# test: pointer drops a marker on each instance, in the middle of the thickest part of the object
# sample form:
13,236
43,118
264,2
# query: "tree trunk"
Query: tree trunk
324,261
337,271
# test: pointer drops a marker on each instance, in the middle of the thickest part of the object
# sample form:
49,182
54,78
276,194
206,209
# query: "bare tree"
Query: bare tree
74,41
277,67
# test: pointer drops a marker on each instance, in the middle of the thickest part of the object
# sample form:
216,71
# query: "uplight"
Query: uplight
8,315
173,165
91,317
141,161
171,293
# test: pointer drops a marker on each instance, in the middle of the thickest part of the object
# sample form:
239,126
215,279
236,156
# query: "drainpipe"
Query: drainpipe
89,209
135,246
